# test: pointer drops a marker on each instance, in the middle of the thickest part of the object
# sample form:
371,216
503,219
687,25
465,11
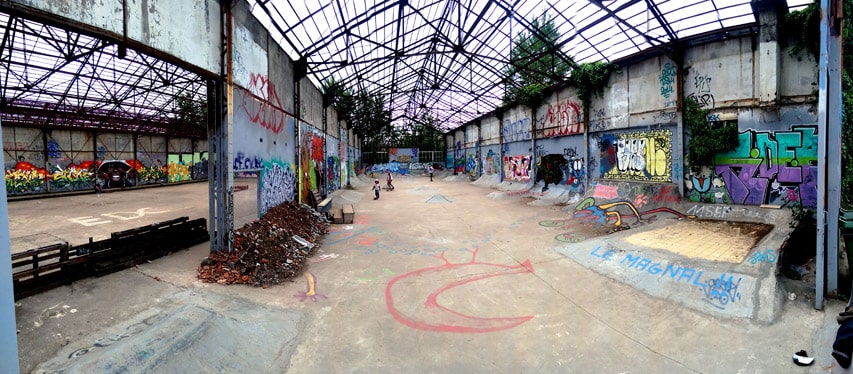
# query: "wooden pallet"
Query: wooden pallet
44,268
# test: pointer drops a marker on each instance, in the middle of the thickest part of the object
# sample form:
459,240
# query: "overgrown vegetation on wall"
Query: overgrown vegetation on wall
537,65
804,26
591,78
706,138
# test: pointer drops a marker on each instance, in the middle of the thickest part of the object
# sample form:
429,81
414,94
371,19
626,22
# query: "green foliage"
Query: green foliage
804,29
706,139
339,97
535,63
364,111
804,26
531,95
847,141
590,78
190,114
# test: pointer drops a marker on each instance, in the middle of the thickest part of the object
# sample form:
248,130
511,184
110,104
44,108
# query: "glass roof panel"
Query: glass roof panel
405,49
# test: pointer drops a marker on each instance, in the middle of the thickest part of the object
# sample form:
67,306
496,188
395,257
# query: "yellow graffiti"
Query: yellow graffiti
71,174
178,172
617,215
643,156
23,180
311,291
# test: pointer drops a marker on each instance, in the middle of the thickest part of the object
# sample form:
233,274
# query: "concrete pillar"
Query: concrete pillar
767,60
8,326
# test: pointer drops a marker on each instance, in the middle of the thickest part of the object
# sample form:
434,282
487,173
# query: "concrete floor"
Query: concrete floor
432,277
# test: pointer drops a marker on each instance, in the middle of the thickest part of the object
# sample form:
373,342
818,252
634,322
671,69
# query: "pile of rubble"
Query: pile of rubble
268,251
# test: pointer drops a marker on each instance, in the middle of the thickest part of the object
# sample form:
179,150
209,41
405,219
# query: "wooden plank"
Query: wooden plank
31,252
324,205
349,213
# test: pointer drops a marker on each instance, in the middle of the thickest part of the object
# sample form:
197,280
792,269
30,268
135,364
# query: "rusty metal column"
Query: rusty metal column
299,171
220,175
500,117
8,326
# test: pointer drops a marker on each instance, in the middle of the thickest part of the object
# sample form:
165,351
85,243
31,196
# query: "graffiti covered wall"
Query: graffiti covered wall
768,167
633,155
559,162
263,136
333,164
277,181
491,160
312,161
517,168
42,161
407,155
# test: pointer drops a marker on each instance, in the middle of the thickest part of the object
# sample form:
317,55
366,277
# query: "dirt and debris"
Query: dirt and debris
265,251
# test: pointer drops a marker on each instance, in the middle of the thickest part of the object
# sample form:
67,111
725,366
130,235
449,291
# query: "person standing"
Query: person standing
430,173
389,179
376,188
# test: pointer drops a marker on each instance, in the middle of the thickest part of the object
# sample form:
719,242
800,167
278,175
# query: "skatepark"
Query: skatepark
432,277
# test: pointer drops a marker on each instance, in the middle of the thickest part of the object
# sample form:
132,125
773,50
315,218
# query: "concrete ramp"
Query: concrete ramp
246,338
438,199
719,259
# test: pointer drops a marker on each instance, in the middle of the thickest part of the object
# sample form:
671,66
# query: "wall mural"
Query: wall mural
667,82
333,167
624,204
615,212
768,167
491,163
406,155
312,163
516,131
471,167
263,106
278,183
549,169
565,170
27,178
640,155
517,168
458,159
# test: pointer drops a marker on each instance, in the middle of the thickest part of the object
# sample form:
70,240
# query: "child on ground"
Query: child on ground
376,189
390,186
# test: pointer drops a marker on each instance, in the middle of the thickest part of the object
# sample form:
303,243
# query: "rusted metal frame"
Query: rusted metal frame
350,24
476,21
432,50
661,20
612,14
5,41
99,47
397,51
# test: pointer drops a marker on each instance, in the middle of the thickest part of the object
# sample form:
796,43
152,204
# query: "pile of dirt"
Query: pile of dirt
265,251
